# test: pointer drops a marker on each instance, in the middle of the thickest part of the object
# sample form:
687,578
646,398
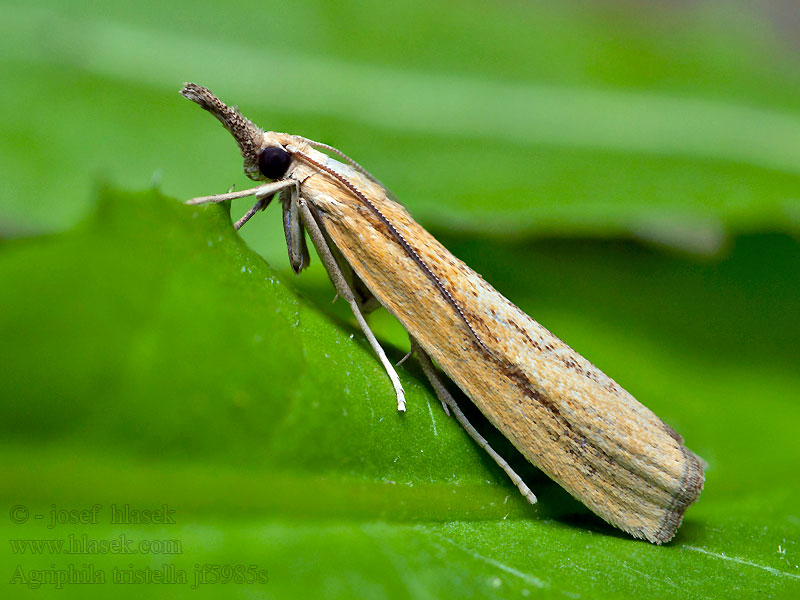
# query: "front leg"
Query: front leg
261,191
340,284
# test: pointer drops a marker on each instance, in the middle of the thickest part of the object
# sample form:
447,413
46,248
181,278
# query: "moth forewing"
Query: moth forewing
561,412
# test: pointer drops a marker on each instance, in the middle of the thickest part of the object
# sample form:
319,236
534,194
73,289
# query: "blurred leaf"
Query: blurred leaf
150,357
675,125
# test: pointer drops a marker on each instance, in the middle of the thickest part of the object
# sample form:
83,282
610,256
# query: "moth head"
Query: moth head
264,153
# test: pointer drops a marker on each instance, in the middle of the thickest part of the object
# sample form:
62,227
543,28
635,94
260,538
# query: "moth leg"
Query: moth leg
299,258
260,204
446,398
404,359
433,377
366,301
339,282
261,191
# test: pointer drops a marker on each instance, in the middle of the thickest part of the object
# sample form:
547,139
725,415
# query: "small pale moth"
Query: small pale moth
561,412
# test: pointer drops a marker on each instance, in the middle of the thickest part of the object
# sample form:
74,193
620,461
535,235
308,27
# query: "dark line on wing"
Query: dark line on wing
510,370
400,240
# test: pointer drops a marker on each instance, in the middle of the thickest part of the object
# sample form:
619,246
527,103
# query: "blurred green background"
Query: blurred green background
626,172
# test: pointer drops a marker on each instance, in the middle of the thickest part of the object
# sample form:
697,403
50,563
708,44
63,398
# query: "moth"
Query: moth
561,412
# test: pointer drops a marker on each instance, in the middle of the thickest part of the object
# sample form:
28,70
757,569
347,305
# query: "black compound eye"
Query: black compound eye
273,162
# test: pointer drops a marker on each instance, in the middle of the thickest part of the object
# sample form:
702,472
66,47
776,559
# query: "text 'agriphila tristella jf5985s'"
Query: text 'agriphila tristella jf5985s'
561,412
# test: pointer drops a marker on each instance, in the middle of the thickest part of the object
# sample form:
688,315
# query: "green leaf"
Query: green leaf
673,126
141,365
150,358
